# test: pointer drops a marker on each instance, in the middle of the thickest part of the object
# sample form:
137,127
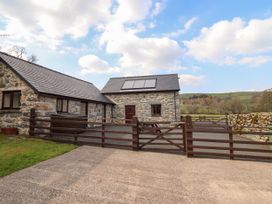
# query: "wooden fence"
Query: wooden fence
234,145
193,138
84,132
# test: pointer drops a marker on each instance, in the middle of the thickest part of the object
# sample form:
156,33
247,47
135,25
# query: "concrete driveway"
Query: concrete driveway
103,175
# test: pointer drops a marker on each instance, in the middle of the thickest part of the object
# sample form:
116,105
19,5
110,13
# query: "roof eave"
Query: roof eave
74,98
126,92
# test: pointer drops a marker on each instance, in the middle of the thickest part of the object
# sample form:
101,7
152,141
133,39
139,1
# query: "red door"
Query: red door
130,112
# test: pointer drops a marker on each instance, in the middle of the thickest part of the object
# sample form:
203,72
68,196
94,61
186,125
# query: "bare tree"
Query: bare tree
32,58
21,53
17,51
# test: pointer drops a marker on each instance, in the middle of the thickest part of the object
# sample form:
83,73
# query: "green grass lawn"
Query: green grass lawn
18,152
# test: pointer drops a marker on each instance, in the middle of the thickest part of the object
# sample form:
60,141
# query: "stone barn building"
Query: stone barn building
25,85
150,98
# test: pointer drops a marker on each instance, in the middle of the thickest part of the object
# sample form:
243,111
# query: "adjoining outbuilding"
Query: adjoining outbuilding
150,98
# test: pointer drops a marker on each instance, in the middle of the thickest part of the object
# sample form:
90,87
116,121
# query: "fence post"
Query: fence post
32,121
183,125
227,119
189,136
135,134
231,142
103,133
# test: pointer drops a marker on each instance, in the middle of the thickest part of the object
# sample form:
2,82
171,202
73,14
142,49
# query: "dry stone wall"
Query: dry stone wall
255,122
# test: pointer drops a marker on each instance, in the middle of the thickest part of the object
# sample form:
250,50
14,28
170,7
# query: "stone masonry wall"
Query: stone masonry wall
142,101
44,105
96,112
9,81
74,106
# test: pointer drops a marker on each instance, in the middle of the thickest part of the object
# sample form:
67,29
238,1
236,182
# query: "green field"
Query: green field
19,152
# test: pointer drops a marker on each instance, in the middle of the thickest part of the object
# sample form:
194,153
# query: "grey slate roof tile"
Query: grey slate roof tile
48,81
167,82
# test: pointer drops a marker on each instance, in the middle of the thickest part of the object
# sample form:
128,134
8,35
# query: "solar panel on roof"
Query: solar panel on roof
139,84
150,83
128,85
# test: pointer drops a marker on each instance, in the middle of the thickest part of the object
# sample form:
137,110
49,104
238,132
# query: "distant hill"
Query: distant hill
221,103
243,96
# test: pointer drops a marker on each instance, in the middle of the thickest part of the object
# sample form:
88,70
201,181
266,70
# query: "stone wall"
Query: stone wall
108,113
74,106
96,112
255,122
9,81
143,101
44,105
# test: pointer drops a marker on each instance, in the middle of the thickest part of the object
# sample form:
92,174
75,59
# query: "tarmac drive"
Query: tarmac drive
104,175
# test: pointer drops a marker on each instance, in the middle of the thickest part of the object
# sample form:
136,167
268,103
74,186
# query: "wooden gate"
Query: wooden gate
162,136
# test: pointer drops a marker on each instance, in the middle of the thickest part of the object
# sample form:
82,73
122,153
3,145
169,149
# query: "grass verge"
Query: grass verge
18,152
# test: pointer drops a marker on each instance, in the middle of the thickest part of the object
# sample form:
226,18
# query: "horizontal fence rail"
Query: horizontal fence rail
70,130
158,135
194,138
221,140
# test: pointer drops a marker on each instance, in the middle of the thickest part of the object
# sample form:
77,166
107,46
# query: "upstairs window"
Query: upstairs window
11,100
62,105
156,109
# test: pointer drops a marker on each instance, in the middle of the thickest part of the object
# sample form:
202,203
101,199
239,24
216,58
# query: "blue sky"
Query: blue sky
214,46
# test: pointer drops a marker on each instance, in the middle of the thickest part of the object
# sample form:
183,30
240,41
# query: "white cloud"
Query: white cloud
117,23
47,22
151,25
255,61
190,80
185,29
138,55
132,10
225,42
158,8
189,24
93,64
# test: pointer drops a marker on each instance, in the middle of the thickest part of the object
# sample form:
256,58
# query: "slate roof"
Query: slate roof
47,81
168,82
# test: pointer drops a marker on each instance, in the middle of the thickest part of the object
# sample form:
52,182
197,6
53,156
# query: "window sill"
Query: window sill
3,111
